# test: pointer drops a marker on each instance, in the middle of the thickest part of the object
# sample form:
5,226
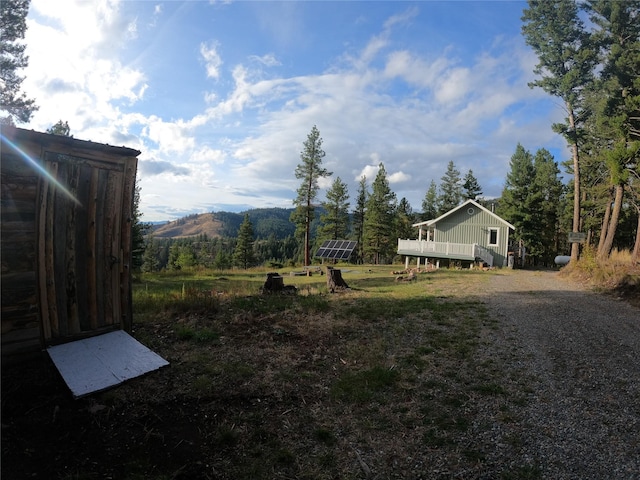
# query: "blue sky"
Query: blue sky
220,96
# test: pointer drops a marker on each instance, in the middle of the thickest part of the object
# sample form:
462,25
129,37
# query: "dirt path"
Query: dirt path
581,352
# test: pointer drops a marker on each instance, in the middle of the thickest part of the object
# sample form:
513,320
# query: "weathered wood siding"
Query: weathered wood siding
20,319
66,239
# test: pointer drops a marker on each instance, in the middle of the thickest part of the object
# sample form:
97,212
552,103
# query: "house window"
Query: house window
493,236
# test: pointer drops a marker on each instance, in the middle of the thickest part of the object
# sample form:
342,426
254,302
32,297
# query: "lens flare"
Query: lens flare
39,168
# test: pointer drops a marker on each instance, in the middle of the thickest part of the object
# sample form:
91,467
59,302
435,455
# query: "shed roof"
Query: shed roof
429,223
15,134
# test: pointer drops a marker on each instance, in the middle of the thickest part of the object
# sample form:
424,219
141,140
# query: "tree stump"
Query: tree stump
274,283
334,280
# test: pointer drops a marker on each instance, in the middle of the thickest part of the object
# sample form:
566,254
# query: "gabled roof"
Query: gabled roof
429,223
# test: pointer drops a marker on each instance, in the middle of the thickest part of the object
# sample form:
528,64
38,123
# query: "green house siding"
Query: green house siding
456,234
472,225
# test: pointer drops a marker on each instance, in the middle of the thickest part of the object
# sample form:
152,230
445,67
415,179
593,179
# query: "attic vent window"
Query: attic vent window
470,211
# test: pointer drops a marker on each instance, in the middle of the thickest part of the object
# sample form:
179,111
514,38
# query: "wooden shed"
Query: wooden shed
67,212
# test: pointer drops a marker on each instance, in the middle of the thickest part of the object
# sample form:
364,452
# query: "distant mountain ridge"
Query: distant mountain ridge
266,222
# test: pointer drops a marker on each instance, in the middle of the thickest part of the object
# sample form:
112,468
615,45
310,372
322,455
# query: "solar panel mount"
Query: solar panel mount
336,249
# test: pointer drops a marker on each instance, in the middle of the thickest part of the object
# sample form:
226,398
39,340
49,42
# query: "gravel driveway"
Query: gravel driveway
577,355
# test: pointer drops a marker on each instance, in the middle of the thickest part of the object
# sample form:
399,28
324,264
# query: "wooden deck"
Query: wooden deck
454,251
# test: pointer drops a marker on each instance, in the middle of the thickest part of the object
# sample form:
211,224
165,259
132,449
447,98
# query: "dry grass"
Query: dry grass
617,275
385,380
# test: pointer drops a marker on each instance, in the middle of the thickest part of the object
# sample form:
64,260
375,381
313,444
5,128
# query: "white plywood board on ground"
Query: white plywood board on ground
97,363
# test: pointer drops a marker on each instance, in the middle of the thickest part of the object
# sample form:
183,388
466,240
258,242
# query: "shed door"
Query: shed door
84,247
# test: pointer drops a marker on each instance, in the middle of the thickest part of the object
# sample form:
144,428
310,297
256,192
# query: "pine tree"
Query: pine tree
222,260
243,255
471,188
451,191
379,243
182,255
616,109
139,230
60,128
514,203
309,171
13,25
430,207
404,220
150,258
358,218
566,61
335,220
545,203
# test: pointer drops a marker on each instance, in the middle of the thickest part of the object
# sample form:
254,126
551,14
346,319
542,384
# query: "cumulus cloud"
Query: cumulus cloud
413,110
158,167
211,57
171,137
398,177
74,71
207,154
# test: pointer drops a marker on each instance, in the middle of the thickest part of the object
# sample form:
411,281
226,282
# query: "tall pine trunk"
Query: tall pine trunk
635,256
605,225
575,247
613,222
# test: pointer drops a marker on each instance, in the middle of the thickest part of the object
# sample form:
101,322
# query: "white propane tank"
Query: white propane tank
562,259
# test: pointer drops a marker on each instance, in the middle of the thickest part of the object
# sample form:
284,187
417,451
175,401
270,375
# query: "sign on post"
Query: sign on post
577,237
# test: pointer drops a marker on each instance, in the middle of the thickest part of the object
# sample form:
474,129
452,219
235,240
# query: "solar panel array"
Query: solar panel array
336,249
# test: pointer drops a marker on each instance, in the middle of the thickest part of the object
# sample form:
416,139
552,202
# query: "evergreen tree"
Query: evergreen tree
243,255
471,188
181,255
309,171
139,230
404,220
60,128
566,60
545,201
379,243
358,218
335,220
514,203
164,247
13,25
151,256
451,191
430,207
616,109
223,260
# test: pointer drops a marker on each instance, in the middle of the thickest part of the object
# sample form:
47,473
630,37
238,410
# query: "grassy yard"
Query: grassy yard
383,380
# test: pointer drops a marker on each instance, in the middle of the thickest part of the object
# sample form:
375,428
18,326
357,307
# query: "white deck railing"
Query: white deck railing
484,254
423,248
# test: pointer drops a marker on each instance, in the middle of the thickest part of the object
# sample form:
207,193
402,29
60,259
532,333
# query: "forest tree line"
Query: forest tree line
535,200
589,58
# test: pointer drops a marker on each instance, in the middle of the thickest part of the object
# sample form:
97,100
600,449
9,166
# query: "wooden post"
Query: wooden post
334,280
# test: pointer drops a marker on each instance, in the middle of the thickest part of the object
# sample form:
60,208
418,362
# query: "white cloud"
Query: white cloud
213,62
268,60
171,137
412,110
454,86
207,154
369,172
398,177
74,73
